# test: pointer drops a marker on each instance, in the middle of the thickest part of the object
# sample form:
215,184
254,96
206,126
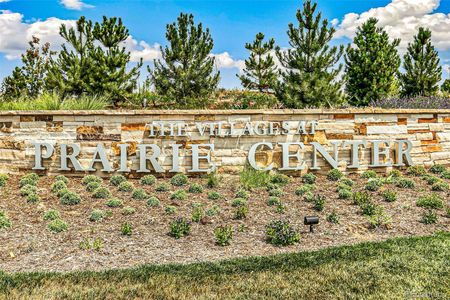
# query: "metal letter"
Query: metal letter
333,161
252,159
376,154
101,153
143,158
49,149
196,158
73,157
286,156
404,152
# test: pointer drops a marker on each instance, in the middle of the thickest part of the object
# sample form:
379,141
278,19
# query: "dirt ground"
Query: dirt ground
29,246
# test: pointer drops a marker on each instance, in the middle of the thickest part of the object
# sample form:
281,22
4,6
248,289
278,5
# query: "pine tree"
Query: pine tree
260,72
29,80
309,77
371,65
422,69
445,87
186,72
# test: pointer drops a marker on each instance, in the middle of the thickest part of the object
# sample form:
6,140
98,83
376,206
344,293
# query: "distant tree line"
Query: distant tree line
309,73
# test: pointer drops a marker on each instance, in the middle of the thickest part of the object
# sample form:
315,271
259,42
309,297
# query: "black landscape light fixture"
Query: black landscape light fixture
311,220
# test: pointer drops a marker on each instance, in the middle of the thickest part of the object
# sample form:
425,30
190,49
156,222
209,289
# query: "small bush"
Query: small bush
279,179
62,178
213,211
359,198
281,233
179,180
163,187
309,178
342,186
153,201
97,215
90,178
195,188
117,179
57,186
445,175
379,218
319,202
369,174
373,185
197,213
368,208
102,193
180,228
251,178
389,195
171,210
280,208
224,235
4,221
333,217
126,229
126,186
432,201
438,169
139,194
70,198
32,176
33,198
128,210
346,181
430,179
345,194
213,196
405,183
179,195
24,181
114,203
440,186
241,212
239,202
276,193
212,180
3,179
148,180
92,186
51,214
309,197
429,217
416,171
395,174
242,194
300,191
334,175
57,226
272,201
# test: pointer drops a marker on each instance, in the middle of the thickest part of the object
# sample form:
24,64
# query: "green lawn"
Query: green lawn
396,269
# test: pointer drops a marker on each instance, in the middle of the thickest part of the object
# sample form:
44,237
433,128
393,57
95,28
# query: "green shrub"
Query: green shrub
389,195
180,228
213,196
280,208
379,218
115,202
447,211
342,186
345,194
300,191
333,217
179,180
251,178
276,193
224,235
319,202
4,221
359,198
272,201
97,215
57,226
212,180
139,194
213,211
102,193
438,169
445,175
239,202
430,179
241,212
281,233
369,174
432,201
171,210
279,179
62,178
57,186
153,201
32,176
179,195
195,188
346,181
395,174
90,178
148,180
440,186
128,210
334,175
405,183
92,186
33,198
163,187
429,217
117,179
309,197
309,178
197,213
51,214
70,198
126,186
416,171
126,229
368,208
242,194
24,181
3,179
373,185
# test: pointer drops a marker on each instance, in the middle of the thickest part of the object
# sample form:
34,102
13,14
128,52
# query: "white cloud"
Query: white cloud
4,1
402,19
75,4
142,50
225,61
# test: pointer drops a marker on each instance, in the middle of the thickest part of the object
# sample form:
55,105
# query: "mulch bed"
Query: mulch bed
29,246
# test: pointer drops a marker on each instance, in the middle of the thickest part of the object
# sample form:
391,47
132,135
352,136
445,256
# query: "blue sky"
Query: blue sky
232,23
